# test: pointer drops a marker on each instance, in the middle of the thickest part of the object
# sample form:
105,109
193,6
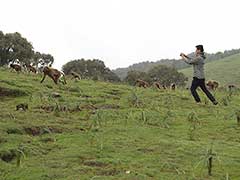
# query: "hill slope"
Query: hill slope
98,130
226,71
147,65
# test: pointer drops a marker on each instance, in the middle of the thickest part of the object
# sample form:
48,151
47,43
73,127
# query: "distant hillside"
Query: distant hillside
226,70
147,65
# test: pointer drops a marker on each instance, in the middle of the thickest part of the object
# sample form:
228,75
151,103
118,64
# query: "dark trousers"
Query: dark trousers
200,83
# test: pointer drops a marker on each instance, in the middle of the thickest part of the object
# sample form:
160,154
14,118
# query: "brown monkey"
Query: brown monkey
75,76
31,68
212,85
158,85
22,106
232,87
173,86
16,67
141,83
54,74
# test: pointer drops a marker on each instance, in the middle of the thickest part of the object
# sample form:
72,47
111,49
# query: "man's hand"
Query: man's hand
183,56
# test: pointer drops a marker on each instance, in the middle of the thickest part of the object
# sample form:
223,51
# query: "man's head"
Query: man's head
199,49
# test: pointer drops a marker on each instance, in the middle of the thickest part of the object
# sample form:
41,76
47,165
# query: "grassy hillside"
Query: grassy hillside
226,71
178,64
97,130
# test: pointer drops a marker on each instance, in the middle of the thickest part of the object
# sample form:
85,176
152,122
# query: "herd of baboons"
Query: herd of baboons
59,76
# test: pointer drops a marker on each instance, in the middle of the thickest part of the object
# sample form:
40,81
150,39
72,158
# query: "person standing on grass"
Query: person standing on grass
198,74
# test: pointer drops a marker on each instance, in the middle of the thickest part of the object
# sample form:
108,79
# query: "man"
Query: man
198,74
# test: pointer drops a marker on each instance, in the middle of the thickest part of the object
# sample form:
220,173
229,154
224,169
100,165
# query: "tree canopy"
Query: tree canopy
15,47
94,69
163,74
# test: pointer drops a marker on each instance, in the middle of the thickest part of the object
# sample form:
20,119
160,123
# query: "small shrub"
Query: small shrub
193,122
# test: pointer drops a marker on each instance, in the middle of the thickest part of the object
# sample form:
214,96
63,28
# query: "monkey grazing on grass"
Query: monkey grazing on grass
173,86
75,76
16,67
54,74
232,87
141,83
212,85
31,68
159,86
22,106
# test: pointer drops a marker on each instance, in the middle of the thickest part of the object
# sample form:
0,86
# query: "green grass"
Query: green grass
114,131
226,71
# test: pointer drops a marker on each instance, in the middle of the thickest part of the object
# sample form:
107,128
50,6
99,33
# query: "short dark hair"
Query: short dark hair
200,47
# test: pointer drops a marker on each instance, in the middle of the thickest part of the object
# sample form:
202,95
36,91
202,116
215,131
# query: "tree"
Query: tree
13,46
132,76
94,69
45,59
167,75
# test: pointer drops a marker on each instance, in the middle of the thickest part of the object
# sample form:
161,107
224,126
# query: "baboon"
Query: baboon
22,106
173,86
159,86
232,87
141,83
16,67
54,74
212,85
75,76
31,68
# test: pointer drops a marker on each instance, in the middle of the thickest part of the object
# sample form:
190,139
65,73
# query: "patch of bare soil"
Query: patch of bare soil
6,92
109,106
93,163
36,130
8,156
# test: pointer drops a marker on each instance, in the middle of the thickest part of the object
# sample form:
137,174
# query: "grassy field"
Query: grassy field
226,71
98,130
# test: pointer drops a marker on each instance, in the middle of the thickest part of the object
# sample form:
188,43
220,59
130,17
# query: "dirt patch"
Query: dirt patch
114,92
59,108
109,106
145,150
6,92
108,172
36,130
110,97
86,96
88,107
48,139
95,164
62,108
8,156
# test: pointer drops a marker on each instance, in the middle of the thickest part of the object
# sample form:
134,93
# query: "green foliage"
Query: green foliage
132,76
15,47
167,75
90,69
193,122
163,74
